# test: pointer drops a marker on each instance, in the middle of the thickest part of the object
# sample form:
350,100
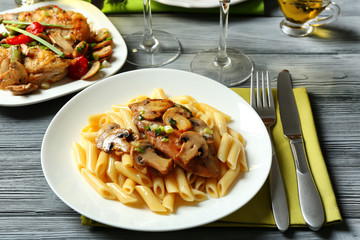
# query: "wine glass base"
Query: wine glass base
236,72
295,30
167,49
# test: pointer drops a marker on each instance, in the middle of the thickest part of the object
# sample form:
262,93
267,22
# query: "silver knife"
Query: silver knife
310,202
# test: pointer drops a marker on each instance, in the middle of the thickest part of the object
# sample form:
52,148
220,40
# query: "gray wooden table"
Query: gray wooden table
327,63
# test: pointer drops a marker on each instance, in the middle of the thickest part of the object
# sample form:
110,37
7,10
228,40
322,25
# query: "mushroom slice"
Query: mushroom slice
80,49
150,109
102,44
22,89
92,71
205,167
178,116
16,74
56,38
194,145
101,34
113,138
103,52
43,36
143,153
202,128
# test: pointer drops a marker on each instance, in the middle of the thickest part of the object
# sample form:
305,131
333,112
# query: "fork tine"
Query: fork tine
252,91
270,95
265,100
258,91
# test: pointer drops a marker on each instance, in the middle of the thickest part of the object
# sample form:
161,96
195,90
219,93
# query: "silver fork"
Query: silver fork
265,107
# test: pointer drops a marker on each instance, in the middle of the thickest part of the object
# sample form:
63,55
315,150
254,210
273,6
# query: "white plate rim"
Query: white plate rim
67,86
259,161
195,3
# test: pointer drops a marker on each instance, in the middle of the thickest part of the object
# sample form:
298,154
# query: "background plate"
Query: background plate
63,177
66,86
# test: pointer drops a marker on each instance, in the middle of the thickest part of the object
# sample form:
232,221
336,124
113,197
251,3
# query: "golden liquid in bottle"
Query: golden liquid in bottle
301,11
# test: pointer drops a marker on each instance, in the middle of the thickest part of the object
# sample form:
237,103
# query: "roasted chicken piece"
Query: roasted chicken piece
45,66
79,31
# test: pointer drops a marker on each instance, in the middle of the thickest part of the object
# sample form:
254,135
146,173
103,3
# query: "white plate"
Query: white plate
66,86
63,177
195,3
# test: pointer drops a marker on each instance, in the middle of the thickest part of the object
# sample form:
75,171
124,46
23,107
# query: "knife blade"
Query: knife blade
310,202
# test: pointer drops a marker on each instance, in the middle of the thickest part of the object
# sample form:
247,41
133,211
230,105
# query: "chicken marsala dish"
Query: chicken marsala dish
43,46
169,135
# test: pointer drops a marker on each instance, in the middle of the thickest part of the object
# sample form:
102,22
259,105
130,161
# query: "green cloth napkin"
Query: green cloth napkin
250,7
257,212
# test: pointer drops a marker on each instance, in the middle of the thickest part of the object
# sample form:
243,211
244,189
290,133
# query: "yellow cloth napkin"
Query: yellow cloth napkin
249,7
257,212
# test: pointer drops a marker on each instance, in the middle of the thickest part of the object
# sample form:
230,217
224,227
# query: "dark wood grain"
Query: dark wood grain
326,63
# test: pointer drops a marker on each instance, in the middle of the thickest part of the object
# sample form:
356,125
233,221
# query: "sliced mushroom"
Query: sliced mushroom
43,36
179,117
80,49
144,154
16,74
102,44
92,71
103,52
205,167
22,89
66,47
113,138
194,145
101,34
202,128
150,109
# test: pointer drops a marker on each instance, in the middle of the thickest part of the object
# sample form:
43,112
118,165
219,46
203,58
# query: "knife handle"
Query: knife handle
278,196
310,202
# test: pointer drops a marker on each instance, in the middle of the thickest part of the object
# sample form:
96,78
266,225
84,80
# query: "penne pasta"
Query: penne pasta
101,164
94,119
220,123
127,120
184,188
131,173
90,136
158,93
211,188
158,186
227,180
97,184
224,147
168,202
91,156
233,155
150,199
111,171
114,117
205,107
243,160
200,183
121,194
199,195
79,155
129,186
170,183
236,135
127,160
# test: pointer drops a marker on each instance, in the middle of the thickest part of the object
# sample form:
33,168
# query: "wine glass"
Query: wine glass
151,48
228,66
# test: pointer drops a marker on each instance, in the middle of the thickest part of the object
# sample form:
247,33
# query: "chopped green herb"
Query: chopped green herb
54,49
139,149
140,118
44,24
165,139
5,45
172,121
109,38
168,129
147,127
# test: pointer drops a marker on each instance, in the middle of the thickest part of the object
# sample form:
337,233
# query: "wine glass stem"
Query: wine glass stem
149,42
222,58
